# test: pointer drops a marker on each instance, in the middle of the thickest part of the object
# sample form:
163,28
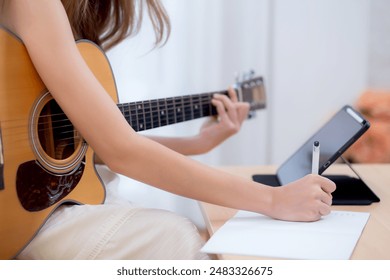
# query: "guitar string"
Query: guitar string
197,99
170,118
149,117
75,138
152,112
133,113
204,100
175,100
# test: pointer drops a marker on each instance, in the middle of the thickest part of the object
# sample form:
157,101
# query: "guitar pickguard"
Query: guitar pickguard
37,189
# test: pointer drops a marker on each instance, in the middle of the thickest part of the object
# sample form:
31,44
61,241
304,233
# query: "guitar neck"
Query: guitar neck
144,115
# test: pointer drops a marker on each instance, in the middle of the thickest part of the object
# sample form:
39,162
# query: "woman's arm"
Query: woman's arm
45,30
231,115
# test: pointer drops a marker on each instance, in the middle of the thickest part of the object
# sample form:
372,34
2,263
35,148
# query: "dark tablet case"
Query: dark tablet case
350,190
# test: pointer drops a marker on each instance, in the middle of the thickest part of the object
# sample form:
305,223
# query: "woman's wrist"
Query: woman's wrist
263,200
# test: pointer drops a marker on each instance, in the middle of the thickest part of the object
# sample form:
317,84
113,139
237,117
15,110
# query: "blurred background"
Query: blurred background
315,56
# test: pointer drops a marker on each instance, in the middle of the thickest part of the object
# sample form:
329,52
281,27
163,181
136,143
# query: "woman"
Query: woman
116,229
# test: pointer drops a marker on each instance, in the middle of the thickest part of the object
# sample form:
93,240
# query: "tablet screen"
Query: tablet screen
340,132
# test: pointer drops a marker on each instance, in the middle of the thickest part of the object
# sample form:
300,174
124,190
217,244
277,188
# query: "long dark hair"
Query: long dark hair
108,22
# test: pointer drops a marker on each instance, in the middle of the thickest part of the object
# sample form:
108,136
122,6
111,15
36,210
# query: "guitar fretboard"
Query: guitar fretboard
155,113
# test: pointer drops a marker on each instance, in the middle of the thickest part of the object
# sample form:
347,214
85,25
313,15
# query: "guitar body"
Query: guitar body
39,169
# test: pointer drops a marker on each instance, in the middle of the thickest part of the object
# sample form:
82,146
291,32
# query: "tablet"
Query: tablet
339,133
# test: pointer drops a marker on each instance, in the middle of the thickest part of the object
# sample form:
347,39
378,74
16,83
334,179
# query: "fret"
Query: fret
179,112
133,116
143,116
155,114
197,112
140,113
187,108
162,110
205,100
192,107
171,112
147,115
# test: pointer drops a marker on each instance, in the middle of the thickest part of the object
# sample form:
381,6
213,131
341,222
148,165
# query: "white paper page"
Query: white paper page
331,238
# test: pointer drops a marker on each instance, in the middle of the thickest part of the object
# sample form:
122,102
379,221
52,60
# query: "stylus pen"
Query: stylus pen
315,163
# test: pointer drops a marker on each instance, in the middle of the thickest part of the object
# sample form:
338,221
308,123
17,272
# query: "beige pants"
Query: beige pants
116,230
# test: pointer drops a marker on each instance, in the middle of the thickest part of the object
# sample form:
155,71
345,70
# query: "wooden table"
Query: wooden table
374,242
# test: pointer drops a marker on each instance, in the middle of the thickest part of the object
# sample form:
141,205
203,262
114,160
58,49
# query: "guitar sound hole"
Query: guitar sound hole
58,147
56,133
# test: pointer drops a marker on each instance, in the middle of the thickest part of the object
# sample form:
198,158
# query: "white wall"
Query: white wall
313,54
379,41
319,63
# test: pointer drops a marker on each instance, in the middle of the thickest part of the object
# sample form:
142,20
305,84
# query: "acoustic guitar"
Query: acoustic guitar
44,161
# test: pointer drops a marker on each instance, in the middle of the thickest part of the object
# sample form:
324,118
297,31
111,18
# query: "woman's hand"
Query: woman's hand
307,199
231,114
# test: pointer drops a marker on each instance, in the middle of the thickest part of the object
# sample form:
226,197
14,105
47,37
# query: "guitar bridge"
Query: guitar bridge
1,163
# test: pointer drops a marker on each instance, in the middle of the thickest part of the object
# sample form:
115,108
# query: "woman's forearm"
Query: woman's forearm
176,173
191,145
